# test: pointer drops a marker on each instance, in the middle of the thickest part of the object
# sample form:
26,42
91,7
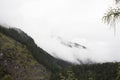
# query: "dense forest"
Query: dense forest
62,70
105,71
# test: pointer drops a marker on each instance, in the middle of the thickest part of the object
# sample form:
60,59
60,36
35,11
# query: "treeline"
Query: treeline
105,71
62,70
38,53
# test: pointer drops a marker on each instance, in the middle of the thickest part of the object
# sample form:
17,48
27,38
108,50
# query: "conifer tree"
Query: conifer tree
70,76
118,73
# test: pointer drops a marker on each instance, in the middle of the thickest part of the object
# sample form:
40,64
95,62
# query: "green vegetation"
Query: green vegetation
39,54
113,14
7,77
105,71
22,59
17,63
69,76
118,72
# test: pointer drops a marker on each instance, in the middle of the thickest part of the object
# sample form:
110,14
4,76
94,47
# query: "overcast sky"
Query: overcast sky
73,20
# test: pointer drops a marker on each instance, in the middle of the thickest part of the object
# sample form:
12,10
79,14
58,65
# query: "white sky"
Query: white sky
73,20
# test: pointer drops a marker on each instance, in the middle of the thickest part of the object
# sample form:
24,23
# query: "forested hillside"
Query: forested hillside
17,63
22,59
104,71
39,54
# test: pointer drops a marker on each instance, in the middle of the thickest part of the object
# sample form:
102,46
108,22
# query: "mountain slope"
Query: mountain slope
71,44
17,63
38,53
22,59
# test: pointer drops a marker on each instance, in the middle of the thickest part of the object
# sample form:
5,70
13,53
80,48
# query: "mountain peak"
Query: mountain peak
71,44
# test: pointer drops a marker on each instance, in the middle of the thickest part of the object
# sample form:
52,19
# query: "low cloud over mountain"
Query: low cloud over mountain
71,44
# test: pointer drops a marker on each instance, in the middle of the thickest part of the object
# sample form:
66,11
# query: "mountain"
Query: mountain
22,59
19,51
17,63
71,44
38,53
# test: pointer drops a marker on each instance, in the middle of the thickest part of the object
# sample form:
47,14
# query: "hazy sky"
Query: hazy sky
73,20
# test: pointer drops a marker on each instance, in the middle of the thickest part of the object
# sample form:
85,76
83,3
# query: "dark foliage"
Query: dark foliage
105,71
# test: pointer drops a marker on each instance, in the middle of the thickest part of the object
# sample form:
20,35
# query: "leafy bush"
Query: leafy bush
7,77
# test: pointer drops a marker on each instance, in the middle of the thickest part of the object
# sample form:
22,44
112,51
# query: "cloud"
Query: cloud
97,51
74,20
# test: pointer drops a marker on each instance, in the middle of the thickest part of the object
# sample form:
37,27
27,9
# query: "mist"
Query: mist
73,20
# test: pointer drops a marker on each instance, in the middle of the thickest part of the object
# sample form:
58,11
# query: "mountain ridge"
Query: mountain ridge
71,44
22,59
17,63
38,53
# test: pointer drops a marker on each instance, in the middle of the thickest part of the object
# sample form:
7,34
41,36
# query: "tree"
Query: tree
70,76
113,14
118,73
7,77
